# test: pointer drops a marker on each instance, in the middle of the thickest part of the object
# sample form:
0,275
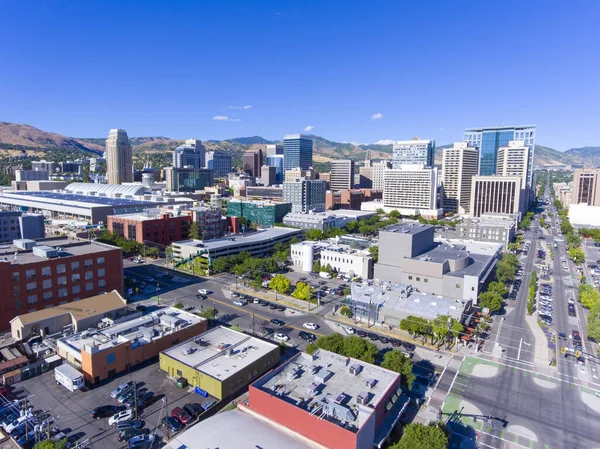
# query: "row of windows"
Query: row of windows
60,268
62,293
62,280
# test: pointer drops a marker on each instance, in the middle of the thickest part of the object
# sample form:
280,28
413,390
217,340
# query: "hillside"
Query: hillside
18,139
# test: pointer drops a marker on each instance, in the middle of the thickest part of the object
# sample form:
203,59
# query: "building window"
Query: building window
18,303
426,280
101,272
46,271
76,289
31,299
48,295
62,292
47,283
100,261
472,289
74,266
62,280
88,263
89,286
410,278
30,274
61,268
89,275
75,277
16,276
111,358
31,286
457,285
102,283
179,373
418,279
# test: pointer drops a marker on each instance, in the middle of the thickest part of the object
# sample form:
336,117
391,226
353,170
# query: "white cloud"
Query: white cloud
248,106
385,142
377,116
224,118
441,129
309,128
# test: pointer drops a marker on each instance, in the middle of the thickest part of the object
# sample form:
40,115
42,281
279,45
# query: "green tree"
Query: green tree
490,300
420,436
395,214
178,305
48,444
257,281
374,250
345,311
316,266
588,296
498,287
439,328
209,313
280,283
594,330
314,234
398,362
359,348
333,343
380,211
303,291
194,231
416,325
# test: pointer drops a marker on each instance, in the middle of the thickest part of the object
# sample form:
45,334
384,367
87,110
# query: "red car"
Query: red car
4,390
181,415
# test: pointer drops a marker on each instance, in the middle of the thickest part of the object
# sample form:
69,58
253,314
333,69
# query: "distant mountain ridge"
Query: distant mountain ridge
26,138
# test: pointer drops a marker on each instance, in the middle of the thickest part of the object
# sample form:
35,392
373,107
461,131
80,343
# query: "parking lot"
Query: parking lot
72,410
152,280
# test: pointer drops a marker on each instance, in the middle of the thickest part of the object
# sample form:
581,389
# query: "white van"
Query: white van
68,377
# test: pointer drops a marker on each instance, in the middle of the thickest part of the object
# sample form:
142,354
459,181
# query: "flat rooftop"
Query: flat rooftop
407,228
67,249
72,199
220,352
248,432
350,213
442,252
237,240
139,331
323,384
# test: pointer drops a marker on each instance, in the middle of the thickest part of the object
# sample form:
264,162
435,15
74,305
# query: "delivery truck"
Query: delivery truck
68,377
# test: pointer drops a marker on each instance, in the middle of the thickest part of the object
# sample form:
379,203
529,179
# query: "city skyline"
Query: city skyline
199,88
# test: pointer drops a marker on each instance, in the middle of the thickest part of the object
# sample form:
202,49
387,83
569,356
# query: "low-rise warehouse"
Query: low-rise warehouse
220,361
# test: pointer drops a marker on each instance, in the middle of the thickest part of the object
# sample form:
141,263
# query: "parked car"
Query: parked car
409,346
277,322
361,333
373,337
203,291
239,302
123,398
130,424
384,340
268,331
127,434
193,409
105,411
306,336
173,424
121,389
141,442
123,415
311,326
576,336
348,329
281,336
395,343
181,415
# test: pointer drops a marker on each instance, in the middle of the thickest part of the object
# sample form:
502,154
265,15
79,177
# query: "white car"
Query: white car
571,301
203,291
281,337
239,302
311,326
121,416
348,329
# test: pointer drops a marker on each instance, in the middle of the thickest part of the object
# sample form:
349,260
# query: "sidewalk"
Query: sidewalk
541,359
285,300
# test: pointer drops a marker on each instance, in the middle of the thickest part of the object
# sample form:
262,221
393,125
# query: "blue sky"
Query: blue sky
354,71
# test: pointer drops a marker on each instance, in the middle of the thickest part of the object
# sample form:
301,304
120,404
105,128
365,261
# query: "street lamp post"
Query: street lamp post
157,293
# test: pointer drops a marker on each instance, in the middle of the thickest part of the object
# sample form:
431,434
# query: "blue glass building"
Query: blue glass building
488,140
276,161
297,151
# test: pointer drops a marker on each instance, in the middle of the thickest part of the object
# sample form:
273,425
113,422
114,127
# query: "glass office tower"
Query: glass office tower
297,152
488,140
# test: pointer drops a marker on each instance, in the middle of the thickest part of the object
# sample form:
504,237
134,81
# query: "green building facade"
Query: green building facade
262,213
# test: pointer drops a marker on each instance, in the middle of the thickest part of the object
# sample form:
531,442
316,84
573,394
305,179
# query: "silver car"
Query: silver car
121,389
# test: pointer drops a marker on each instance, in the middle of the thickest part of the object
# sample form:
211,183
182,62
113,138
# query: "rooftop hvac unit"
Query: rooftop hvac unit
370,382
363,398
355,369
339,398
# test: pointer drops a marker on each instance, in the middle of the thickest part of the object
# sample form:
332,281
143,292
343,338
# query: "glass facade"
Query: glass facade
277,162
298,152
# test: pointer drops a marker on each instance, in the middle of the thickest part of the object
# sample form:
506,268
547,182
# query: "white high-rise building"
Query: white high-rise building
513,160
342,174
379,169
119,160
459,164
413,152
412,189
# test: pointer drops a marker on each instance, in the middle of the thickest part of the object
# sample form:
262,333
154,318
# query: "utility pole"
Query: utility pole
135,407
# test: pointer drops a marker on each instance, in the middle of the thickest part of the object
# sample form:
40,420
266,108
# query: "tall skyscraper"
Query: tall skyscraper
297,151
459,164
489,140
305,195
342,174
189,155
219,162
276,161
268,175
513,160
253,161
274,149
119,160
586,186
200,150
413,152
379,169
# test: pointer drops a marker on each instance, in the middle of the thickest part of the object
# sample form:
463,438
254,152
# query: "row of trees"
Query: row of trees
439,329
361,349
526,221
590,299
421,436
531,293
129,247
572,238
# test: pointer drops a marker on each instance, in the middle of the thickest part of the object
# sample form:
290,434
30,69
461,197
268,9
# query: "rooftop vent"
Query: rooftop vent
312,389
339,398
323,376
355,369
363,398
370,382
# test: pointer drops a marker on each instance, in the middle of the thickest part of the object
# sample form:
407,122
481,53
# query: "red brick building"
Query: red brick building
47,273
161,228
350,199
336,401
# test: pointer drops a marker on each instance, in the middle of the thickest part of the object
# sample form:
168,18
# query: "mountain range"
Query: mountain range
21,139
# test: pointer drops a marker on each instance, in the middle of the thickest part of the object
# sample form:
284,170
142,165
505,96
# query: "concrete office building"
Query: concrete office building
268,175
366,172
104,353
342,174
274,149
252,162
297,152
323,220
586,188
490,139
16,225
44,165
263,213
496,194
408,254
486,228
564,193
188,179
336,401
81,314
37,275
412,190
119,161
189,156
459,164
379,169
263,193
413,152
513,160
259,244
276,161
219,162
342,258
31,175
220,361
305,195
297,173
150,226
